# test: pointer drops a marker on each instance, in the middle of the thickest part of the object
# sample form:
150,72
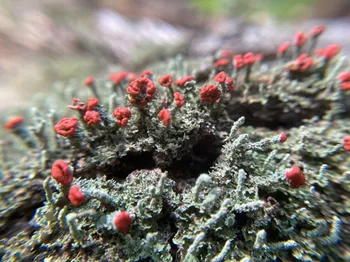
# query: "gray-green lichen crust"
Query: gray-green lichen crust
209,186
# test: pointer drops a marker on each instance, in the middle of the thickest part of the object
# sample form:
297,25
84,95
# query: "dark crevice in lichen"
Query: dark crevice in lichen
173,247
168,221
126,165
217,239
279,195
273,114
241,220
272,233
198,161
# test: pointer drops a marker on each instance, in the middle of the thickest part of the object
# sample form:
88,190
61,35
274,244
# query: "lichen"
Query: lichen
203,181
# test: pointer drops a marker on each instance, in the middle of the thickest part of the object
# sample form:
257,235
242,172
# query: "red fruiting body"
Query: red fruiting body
147,73
13,122
61,173
210,94
133,89
122,114
347,143
345,86
66,126
283,138
222,62
295,177
182,82
165,80
123,221
229,84
78,105
283,47
226,53
141,91
331,51
328,52
92,117
249,58
302,64
150,91
76,197
299,39
345,80
317,30
165,116
179,99
92,102
89,81
220,77
344,77
140,86
238,61
117,78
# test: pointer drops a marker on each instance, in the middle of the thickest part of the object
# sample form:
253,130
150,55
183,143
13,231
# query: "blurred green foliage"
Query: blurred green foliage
280,9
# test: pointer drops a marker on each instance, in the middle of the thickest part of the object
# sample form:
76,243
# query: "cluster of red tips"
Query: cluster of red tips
60,171
92,103
147,73
77,105
210,94
122,114
14,122
249,59
76,197
328,52
295,177
222,62
283,138
92,117
226,54
66,126
117,78
123,221
165,116
238,61
302,64
141,91
347,143
223,79
220,78
89,81
182,82
317,31
179,99
166,80
139,86
283,48
345,81
299,39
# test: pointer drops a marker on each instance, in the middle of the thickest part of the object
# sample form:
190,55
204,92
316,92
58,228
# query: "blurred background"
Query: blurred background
56,40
